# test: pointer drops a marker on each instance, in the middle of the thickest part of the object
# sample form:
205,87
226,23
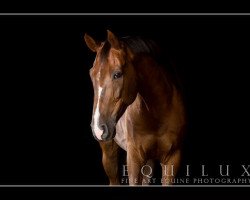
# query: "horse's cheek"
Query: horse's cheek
117,91
131,92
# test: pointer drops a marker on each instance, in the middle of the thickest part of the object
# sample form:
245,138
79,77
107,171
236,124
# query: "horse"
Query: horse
137,107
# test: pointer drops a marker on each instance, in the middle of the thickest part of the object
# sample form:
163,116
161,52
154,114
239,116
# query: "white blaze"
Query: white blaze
97,131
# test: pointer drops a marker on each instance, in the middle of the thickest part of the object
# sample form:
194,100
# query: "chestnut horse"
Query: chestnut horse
137,106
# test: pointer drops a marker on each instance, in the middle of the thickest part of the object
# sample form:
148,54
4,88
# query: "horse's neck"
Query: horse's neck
155,90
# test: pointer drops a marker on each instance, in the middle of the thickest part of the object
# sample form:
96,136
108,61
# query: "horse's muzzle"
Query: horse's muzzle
109,131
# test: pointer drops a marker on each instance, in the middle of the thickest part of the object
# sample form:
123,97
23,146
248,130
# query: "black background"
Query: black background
46,92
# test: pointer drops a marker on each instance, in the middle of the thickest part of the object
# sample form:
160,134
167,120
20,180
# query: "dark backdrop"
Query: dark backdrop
46,92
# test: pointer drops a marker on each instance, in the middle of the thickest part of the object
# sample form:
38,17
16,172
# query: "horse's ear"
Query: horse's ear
113,40
91,43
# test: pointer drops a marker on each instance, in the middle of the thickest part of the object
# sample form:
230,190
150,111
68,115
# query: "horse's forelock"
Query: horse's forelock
105,50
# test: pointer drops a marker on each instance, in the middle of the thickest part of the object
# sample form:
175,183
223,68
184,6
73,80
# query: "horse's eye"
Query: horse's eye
117,75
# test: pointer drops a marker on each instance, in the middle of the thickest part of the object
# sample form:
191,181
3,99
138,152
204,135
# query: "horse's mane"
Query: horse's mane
142,46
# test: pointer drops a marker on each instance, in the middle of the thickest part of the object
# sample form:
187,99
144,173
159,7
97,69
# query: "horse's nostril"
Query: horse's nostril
104,128
105,134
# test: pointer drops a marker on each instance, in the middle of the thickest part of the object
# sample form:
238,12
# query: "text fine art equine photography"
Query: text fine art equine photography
137,106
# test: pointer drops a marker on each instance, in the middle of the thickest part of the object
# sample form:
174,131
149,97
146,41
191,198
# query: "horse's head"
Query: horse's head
114,81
